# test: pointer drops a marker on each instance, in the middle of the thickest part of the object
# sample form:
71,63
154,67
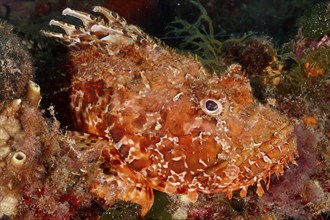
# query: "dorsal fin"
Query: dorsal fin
113,30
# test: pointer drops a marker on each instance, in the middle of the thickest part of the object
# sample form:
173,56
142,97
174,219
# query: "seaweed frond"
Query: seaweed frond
199,36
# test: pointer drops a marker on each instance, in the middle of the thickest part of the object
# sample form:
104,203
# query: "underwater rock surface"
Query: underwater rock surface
40,175
16,67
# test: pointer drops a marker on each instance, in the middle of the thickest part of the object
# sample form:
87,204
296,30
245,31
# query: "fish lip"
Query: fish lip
289,134
281,137
284,135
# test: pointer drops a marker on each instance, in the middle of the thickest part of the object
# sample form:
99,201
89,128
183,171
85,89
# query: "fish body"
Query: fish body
169,124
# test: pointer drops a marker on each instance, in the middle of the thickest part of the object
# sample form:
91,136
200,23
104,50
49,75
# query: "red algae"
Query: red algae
299,189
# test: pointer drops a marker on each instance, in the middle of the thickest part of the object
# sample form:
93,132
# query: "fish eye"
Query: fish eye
211,107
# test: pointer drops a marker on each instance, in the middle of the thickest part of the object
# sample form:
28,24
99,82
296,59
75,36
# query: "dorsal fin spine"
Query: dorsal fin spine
114,30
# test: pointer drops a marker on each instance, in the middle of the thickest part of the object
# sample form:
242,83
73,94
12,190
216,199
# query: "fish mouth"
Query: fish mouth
255,164
277,151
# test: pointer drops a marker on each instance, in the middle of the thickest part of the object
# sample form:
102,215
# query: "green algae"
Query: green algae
316,22
200,38
122,210
158,210
298,78
130,211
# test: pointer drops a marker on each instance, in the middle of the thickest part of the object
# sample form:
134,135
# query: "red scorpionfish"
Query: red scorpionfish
151,118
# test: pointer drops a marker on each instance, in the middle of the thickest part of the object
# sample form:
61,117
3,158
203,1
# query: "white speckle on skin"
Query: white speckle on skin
165,165
195,185
129,141
231,109
177,158
223,143
130,158
158,126
248,170
161,155
221,156
202,162
107,131
173,181
256,145
177,97
145,80
174,140
189,127
221,124
185,164
180,176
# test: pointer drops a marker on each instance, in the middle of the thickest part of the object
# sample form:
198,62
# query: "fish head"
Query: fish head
218,138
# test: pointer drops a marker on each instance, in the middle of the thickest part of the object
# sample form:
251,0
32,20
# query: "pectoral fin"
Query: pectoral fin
108,175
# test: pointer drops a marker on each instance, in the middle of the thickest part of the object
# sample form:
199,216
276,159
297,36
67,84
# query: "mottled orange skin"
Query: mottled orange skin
146,100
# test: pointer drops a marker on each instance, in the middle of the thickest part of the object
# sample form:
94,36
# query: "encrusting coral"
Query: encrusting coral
14,161
40,173
36,179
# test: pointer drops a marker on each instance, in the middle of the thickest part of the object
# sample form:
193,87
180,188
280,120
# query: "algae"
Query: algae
316,22
200,38
122,210
158,210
